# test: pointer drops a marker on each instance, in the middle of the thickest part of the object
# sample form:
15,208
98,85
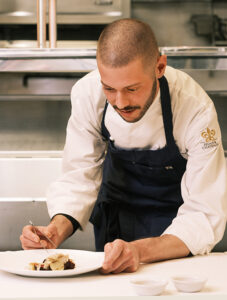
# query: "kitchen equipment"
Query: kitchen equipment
75,19
41,23
68,11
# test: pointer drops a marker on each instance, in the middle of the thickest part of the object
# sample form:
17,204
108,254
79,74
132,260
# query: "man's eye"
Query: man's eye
108,89
132,90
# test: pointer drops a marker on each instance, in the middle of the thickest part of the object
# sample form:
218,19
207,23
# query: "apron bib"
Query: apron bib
141,189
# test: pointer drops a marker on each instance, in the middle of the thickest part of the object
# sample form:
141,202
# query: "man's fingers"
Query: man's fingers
123,259
30,234
35,237
120,256
112,252
118,267
122,267
49,231
126,267
29,244
43,231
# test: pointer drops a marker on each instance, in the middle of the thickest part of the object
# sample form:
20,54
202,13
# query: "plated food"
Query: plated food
17,262
54,262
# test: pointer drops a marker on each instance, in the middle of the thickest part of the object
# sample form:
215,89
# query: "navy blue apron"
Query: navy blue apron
141,189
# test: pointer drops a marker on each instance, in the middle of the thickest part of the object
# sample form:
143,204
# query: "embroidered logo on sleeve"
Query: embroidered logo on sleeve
209,139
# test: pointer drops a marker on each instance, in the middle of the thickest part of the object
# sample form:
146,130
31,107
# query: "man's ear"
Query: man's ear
161,66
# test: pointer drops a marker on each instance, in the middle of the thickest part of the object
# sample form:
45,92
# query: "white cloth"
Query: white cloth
201,219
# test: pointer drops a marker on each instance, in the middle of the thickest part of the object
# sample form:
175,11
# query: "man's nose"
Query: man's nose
121,101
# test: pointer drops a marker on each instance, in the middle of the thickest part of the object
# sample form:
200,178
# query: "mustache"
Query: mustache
126,108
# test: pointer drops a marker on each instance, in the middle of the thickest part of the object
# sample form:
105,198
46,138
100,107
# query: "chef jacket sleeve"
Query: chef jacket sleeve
201,220
75,192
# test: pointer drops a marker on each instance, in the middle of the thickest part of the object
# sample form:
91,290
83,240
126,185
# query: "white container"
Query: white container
189,284
148,287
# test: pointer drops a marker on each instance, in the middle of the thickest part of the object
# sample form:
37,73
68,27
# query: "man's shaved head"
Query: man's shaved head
125,40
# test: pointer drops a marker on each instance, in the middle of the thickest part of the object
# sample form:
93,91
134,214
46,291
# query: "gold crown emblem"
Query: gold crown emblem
208,135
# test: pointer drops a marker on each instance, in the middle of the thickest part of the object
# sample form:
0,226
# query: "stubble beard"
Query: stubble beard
147,104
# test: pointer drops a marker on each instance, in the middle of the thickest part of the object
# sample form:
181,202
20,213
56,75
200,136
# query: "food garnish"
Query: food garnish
55,262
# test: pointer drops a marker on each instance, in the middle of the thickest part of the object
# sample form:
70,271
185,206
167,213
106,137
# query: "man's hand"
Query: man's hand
58,230
35,238
120,256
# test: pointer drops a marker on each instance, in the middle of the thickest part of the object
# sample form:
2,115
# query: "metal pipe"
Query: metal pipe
41,23
52,24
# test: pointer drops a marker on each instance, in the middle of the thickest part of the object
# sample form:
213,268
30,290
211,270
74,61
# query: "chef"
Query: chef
143,158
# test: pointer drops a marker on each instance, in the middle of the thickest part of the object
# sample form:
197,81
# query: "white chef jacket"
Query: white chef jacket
201,219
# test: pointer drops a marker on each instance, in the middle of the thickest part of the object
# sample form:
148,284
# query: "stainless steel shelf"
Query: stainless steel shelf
53,65
196,58
80,57
84,59
194,51
35,53
34,98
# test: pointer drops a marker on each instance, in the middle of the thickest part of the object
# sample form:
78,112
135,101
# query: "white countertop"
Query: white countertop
93,284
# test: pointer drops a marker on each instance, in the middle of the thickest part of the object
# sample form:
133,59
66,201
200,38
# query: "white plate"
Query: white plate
17,262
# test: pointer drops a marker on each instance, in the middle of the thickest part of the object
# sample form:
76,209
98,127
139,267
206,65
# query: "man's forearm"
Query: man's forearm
160,248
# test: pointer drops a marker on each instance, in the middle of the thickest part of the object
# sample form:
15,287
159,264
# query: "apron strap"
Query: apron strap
167,111
105,132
